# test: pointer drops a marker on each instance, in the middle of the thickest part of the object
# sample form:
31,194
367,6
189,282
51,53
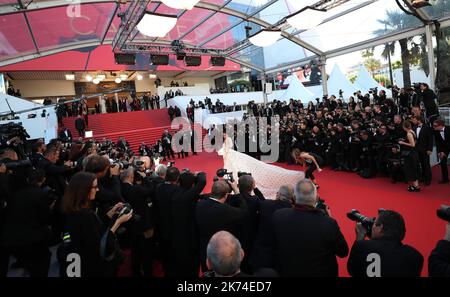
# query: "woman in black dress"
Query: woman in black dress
94,242
410,157
310,160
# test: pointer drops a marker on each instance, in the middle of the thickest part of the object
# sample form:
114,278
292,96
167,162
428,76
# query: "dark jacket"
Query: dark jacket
139,198
26,218
424,139
56,175
306,243
441,144
212,216
80,124
262,250
65,137
163,205
439,260
397,259
86,233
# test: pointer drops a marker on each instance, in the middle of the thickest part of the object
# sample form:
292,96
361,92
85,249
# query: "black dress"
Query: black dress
410,161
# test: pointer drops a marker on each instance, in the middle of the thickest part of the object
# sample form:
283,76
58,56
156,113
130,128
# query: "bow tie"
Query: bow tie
419,126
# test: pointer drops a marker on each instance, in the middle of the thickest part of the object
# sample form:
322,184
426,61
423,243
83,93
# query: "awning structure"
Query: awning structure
32,29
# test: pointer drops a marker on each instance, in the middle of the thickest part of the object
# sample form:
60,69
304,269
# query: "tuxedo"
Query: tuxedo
424,143
65,135
443,146
80,125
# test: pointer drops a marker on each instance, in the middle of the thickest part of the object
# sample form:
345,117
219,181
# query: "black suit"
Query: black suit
424,144
306,243
262,251
80,125
141,248
123,145
213,216
443,146
439,260
397,259
26,233
184,241
65,135
163,206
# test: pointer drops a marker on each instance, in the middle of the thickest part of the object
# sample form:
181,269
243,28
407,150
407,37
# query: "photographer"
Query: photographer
26,233
109,193
185,252
94,241
367,162
214,214
429,101
142,231
306,240
439,259
163,207
387,234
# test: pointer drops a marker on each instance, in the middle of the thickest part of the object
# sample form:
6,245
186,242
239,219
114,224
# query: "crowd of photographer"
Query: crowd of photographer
371,136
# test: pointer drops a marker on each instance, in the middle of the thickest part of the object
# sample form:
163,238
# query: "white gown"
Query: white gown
268,177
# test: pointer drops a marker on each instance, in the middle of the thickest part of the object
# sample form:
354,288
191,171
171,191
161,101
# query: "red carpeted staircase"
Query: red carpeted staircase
136,127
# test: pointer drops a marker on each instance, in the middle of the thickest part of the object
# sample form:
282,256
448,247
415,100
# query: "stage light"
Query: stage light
139,77
152,76
101,77
123,76
306,18
118,80
89,77
265,37
156,25
70,76
96,81
183,4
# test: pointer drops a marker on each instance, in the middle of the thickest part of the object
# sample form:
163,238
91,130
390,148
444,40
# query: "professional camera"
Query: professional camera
241,173
321,205
444,212
373,90
170,164
10,130
367,222
15,164
223,173
126,209
121,164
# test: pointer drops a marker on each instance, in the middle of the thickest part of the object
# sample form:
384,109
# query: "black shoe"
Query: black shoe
413,189
443,182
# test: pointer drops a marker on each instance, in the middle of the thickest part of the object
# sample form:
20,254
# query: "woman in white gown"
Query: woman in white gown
268,177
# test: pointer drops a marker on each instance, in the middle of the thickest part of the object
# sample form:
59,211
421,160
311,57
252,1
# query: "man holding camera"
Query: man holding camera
306,240
429,101
384,255
439,260
214,214
139,198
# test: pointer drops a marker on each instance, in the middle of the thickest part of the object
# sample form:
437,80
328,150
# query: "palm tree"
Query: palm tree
397,21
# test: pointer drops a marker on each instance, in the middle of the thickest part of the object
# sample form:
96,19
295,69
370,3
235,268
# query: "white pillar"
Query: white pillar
116,99
102,104
430,52
323,70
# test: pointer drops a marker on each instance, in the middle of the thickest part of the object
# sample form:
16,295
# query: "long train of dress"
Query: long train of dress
268,177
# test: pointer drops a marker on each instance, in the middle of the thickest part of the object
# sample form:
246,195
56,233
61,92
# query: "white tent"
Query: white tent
296,90
365,82
337,81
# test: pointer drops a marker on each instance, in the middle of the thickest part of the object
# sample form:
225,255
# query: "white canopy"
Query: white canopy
337,81
296,90
365,82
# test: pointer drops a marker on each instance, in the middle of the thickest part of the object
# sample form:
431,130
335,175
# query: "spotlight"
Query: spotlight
139,77
88,77
96,81
118,80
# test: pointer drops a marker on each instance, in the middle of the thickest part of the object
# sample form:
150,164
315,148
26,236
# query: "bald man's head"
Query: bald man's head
224,254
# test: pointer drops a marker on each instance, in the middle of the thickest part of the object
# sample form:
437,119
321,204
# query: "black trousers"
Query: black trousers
81,132
142,255
444,169
424,160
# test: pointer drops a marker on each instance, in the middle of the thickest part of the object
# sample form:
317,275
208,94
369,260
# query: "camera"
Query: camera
126,209
241,173
444,212
170,164
121,164
367,222
321,205
15,164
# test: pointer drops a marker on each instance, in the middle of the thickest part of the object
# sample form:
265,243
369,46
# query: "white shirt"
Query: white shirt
443,133
418,130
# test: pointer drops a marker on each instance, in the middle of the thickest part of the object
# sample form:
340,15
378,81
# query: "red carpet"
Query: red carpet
344,191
